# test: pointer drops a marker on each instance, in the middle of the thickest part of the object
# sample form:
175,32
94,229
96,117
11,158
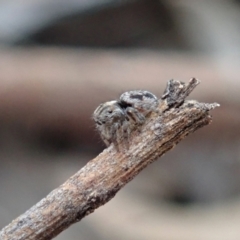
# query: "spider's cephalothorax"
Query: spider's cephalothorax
115,120
109,118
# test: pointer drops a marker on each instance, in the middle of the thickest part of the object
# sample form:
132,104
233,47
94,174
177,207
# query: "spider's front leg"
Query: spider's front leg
134,116
132,119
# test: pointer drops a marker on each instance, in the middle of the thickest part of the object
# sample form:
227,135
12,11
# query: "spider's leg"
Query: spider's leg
105,135
135,117
126,131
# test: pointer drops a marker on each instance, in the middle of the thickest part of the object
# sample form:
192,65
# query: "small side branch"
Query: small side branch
99,181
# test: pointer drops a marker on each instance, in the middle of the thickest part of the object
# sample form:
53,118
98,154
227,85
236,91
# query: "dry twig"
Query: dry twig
99,181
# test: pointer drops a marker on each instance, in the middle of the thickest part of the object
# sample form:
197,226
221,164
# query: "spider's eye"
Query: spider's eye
110,111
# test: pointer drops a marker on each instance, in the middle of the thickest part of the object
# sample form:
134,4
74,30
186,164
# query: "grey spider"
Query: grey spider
115,120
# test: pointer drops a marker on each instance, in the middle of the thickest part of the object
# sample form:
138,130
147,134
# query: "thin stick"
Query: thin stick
99,181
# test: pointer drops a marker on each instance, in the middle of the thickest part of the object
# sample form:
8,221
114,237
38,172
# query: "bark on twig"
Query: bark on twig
99,181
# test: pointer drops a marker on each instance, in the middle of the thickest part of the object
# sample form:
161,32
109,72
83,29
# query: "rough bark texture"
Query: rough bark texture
99,181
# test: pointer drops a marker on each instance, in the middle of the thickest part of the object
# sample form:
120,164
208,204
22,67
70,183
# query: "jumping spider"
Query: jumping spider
115,120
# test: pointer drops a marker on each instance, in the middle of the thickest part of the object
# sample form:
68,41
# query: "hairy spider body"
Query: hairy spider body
109,118
115,120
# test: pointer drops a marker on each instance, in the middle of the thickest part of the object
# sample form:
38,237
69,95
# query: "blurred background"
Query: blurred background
60,59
